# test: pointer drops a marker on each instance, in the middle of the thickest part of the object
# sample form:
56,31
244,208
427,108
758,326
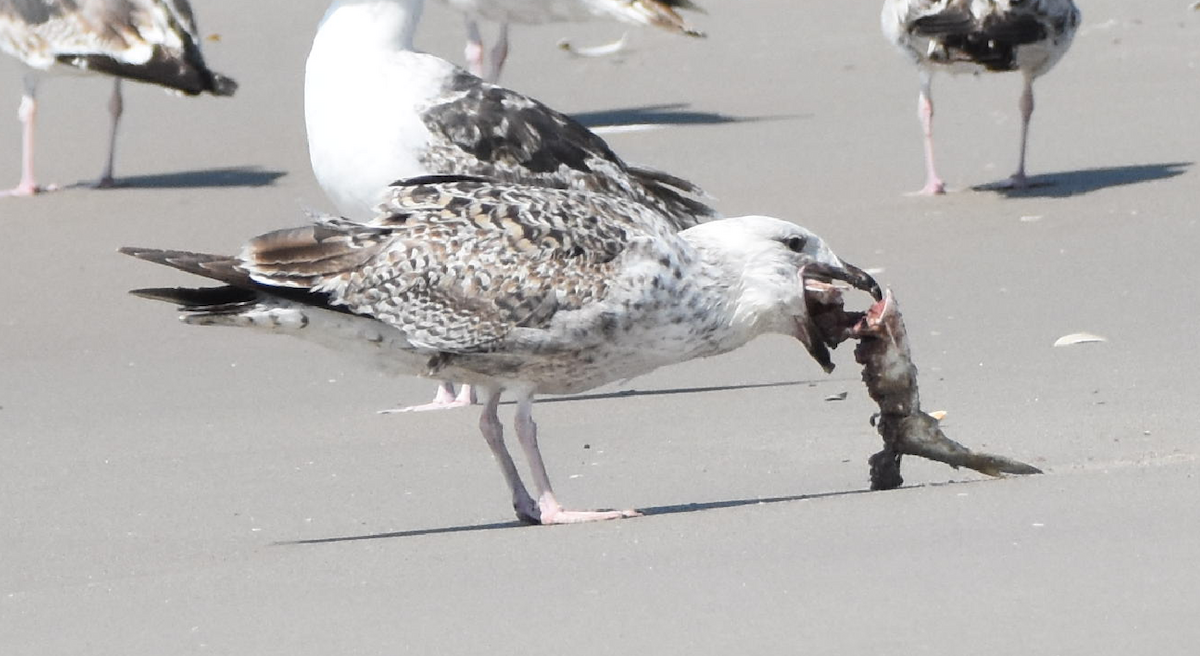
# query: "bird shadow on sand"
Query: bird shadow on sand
622,394
232,176
1074,183
666,114
651,511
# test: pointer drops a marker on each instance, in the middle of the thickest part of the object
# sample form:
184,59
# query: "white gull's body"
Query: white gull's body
152,41
977,36
516,289
377,111
363,94
657,13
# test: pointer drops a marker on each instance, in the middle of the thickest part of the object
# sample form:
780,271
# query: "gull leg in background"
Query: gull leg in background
1018,179
116,107
27,113
499,55
933,183
473,52
443,399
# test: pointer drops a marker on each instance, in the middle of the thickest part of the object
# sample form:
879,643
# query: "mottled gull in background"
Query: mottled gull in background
377,112
658,13
145,40
518,289
975,36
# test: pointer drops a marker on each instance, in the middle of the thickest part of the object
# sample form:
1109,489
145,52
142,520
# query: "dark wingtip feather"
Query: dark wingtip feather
686,4
164,294
438,178
198,298
222,86
943,23
152,294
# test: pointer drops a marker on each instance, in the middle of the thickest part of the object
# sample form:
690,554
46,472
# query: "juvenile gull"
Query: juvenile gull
151,41
377,111
525,290
657,13
976,36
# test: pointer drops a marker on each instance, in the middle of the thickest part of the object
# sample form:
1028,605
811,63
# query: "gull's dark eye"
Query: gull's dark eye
796,244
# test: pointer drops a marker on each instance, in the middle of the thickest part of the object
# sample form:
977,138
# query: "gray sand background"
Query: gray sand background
175,490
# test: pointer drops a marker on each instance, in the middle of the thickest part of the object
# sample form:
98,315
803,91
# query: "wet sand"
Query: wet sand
171,490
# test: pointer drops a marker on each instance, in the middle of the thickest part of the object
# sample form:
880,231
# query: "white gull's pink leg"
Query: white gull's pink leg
473,52
551,512
933,183
465,397
27,113
443,399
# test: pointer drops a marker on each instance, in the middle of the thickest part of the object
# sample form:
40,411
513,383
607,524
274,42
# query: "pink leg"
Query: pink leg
27,113
493,434
499,54
1018,179
550,511
933,184
444,399
474,49
116,107
466,396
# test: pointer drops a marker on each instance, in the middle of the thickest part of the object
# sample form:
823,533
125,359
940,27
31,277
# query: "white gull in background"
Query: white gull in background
657,13
976,36
517,289
377,111
151,41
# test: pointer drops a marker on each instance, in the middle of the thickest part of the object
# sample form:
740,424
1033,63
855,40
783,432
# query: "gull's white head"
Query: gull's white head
771,262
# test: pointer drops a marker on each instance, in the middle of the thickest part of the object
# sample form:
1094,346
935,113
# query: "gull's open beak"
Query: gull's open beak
821,295
847,273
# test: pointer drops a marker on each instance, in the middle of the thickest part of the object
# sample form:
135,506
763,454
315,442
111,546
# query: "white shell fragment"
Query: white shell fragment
1078,338
594,51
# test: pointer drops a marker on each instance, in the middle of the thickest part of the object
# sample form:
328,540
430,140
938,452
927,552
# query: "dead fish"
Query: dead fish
891,379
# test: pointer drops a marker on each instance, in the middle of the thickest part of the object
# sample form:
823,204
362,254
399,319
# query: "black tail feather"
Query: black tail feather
990,42
685,4
439,178
219,85
201,299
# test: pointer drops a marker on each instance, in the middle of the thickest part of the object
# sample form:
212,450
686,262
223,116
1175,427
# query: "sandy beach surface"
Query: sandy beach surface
166,489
